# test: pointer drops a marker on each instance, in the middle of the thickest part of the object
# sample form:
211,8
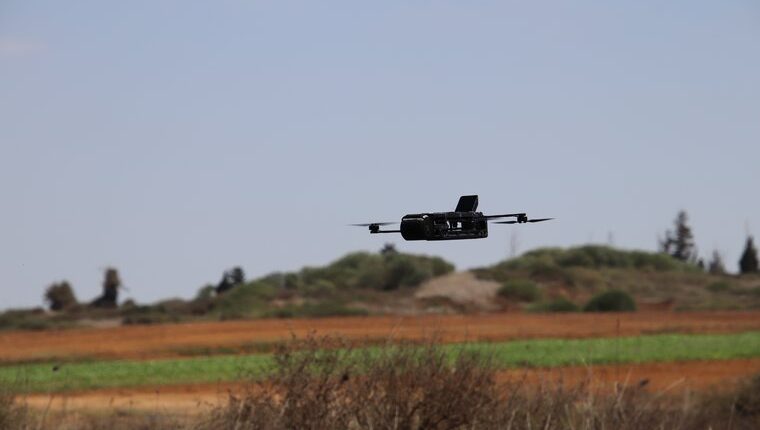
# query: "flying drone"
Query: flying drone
463,223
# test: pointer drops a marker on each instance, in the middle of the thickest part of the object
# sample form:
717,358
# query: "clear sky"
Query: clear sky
175,139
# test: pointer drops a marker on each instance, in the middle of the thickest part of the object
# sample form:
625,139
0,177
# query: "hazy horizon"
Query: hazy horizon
175,140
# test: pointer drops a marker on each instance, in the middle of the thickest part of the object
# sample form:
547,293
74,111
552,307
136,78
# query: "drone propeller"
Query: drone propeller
518,222
373,223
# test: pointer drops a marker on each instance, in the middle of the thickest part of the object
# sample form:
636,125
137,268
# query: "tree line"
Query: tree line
60,296
679,243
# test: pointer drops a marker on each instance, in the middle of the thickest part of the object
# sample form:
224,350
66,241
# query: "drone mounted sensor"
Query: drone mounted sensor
463,223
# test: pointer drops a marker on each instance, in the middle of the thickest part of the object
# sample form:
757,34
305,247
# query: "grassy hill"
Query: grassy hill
656,281
544,280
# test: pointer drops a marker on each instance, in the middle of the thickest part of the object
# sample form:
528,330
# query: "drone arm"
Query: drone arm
518,215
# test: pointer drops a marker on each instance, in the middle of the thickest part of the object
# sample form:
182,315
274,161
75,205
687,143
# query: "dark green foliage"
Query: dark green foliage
315,310
679,242
24,320
111,285
37,319
205,292
560,304
520,289
611,301
60,296
387,271
548,260
245,301
720,287
748,262
230,279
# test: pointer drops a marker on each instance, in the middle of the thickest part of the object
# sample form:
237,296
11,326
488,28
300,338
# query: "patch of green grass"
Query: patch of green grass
528,353
639,349
121,373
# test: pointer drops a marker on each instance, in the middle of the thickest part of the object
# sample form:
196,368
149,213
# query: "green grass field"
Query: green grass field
41,377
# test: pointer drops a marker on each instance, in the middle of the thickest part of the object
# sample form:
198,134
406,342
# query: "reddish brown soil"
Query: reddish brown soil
140,342
660,377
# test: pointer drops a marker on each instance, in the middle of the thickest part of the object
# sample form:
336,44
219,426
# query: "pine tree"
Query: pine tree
111,285
679,243
748,262
716,266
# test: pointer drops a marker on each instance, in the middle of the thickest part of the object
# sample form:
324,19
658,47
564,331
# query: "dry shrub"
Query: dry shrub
737,410
113,420
324,383
12,415
556,405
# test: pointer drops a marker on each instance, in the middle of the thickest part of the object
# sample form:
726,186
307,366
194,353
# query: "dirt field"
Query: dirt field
184,399
141,342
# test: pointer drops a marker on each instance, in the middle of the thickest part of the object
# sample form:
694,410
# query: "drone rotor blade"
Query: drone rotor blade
518,222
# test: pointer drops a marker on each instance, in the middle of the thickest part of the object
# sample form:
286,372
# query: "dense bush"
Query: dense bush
387,271
521,289
560,304
611,301
60,296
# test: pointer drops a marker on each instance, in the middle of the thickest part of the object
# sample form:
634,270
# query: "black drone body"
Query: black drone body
463,223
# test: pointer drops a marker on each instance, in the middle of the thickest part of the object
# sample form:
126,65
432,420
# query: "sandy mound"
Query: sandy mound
462,288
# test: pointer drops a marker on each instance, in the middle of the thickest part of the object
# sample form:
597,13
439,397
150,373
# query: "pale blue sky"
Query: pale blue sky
175,139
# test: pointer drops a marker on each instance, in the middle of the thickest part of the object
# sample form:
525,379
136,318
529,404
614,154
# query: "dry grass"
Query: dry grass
322,384
12,415
325,383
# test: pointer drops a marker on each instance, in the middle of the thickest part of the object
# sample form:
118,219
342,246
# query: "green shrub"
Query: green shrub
720,287
60,296
593,256
388,271
25,320
315,310
560,304
520,289
611,301
320,288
